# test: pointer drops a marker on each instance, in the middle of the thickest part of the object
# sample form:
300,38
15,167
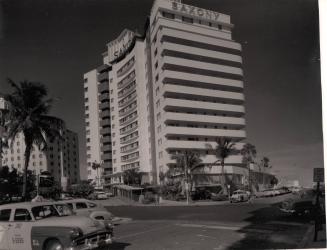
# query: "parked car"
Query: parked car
101,195
89,208
240,195
41,226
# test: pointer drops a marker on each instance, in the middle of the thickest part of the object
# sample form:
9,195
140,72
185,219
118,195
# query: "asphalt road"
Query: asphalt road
230,226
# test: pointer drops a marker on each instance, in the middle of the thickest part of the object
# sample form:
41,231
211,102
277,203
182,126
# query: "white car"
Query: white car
101,196
240,195
42,226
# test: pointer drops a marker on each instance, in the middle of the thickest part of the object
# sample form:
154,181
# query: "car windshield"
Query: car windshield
64,209
46,211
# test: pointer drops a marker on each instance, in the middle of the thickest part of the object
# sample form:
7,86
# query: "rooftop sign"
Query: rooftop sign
195,11
120,45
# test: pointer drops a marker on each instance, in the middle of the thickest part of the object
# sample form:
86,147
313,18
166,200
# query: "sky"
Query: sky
56,41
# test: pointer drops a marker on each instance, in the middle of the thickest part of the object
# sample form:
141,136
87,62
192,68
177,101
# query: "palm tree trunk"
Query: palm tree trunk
223,179
27,155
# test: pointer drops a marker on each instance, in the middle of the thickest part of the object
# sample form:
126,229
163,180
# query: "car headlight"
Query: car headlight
75,232
108,225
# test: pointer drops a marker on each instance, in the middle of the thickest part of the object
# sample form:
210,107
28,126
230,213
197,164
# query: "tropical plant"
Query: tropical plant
186,162
132,177
28,114
249,152
223,149
96,166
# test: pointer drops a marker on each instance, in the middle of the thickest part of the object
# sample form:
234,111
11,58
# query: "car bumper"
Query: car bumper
94,241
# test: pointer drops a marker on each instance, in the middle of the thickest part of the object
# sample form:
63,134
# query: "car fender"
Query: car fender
105,214
40,235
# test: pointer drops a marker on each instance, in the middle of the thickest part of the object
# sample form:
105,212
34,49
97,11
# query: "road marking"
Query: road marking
286,223
227,227
206,236
143,232
233,228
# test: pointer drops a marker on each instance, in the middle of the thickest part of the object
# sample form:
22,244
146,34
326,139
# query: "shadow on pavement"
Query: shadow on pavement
270,228
116,246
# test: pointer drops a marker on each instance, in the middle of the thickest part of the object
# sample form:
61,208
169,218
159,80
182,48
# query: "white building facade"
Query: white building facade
178,87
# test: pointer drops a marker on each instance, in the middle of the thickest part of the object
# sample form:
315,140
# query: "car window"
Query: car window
22,214
70,205
42,212
5,214
64,209
81,205
91,205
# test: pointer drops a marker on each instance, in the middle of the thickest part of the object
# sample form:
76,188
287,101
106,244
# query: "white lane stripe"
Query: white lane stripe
142,232
221,227
287,223
233,228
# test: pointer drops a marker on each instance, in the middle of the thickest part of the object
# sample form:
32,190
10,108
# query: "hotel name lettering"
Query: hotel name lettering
119,47
192,10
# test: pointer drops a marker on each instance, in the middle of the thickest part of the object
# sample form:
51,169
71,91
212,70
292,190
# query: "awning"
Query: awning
128,188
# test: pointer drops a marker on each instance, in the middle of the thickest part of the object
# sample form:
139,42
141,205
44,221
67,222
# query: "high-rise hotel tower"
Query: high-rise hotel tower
177,87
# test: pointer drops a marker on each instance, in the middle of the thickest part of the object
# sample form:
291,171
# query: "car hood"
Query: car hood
87,225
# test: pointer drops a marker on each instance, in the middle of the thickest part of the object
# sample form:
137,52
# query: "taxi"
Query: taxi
49,226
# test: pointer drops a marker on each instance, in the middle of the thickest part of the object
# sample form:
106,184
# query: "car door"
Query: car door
20,230
4,228
82,208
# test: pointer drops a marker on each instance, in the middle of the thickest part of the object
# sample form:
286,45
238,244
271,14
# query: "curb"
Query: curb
307,236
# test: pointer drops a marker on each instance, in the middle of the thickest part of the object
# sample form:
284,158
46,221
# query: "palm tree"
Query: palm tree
186,163
248,152
223,149
28,114
132,176
96,166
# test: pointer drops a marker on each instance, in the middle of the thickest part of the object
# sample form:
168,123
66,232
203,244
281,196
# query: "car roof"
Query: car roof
26,205
74,200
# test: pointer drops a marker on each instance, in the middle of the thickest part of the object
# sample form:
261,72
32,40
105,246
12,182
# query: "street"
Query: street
228,226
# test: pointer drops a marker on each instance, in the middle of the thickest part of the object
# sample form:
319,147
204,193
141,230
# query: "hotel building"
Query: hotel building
177,87
60,159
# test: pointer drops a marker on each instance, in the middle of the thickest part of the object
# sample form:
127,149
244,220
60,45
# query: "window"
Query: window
156,65
210,24
22,215
220,26
85,79
156,52
157,77
85,89
187,19
86,99
168,15
80,205
5,214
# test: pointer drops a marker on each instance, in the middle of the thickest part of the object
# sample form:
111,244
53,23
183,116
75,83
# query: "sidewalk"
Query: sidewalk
307,241
120,201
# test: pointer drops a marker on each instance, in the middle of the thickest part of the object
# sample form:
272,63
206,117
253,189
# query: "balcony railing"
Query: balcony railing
126,67
103,77
127,100
104,96
130,77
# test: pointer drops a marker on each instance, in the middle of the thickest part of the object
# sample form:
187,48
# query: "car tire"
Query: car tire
54,245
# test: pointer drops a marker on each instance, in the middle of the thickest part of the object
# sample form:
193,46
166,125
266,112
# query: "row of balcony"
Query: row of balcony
126,67
201,81
103,77
131,127
180,104
127,90
126,80
127,100
128,109
131,117
129,148
129,138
